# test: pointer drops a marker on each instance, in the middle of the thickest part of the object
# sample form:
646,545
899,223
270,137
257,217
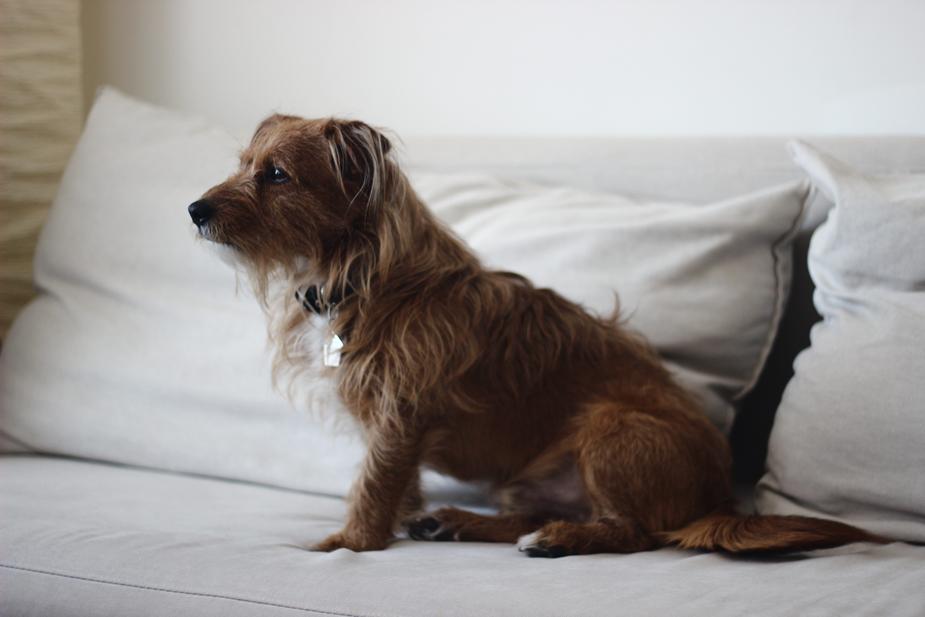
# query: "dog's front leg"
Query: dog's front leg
390,467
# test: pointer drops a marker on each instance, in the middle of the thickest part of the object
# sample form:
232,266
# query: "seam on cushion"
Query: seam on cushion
184,593
780,299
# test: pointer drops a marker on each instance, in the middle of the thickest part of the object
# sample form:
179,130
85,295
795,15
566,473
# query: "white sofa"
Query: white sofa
85,537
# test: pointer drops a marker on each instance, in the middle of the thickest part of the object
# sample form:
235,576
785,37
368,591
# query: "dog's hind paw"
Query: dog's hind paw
534,546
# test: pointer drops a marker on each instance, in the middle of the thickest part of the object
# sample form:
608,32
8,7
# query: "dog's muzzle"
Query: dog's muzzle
201,211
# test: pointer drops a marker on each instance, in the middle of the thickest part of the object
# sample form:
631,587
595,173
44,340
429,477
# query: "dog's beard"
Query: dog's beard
228,254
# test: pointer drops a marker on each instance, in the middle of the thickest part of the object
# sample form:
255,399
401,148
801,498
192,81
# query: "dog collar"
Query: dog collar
314,299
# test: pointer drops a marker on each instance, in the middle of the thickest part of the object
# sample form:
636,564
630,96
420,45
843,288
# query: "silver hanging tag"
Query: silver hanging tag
331,351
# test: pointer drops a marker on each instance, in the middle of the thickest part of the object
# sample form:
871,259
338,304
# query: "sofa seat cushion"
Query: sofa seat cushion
79,538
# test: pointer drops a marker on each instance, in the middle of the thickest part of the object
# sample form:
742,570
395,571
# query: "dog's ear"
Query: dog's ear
359,155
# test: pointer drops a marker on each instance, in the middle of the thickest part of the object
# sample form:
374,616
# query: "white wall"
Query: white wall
644,67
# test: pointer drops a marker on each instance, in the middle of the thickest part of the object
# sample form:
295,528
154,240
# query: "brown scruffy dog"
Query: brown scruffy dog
589,443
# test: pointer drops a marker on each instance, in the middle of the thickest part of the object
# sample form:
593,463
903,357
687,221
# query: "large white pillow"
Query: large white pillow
849,437
138,349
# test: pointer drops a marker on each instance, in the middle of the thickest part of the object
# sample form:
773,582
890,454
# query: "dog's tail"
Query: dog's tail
734,533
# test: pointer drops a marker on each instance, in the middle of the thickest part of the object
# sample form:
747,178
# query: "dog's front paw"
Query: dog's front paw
353,542
443,525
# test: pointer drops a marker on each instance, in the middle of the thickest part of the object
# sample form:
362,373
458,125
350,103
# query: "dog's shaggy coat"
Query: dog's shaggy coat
589,443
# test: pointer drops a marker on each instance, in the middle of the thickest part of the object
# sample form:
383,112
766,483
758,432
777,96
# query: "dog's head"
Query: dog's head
303,188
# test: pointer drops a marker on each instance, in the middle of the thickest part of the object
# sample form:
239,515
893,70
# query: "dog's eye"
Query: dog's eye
275,175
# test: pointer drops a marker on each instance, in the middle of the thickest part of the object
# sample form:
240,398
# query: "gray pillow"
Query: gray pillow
849,438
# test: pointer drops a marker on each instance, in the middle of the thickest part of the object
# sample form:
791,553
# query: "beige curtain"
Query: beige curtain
41,111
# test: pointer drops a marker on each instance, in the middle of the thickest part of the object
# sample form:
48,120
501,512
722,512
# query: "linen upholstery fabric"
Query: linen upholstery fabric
848,438
87,539
138,327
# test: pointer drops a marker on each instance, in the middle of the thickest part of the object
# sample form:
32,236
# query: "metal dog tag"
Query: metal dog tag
331,351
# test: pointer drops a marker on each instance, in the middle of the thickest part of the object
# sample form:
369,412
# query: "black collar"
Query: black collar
314,299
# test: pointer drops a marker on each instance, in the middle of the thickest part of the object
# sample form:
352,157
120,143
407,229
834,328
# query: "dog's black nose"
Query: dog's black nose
201,211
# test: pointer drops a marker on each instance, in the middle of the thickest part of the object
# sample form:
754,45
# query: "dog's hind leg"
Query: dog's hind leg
448,524
644,472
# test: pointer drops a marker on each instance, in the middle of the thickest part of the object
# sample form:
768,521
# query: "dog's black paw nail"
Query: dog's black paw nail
534,551
545,551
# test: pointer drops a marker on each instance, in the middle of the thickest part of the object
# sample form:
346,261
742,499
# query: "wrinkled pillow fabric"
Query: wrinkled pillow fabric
139,349
849,437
